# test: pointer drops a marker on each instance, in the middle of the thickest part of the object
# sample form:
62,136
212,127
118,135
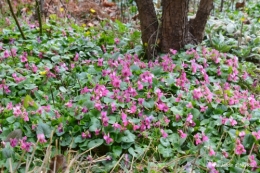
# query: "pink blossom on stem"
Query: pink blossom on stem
107,138
164,134
13,142
182,134
211,152
239,148
41,138
256,135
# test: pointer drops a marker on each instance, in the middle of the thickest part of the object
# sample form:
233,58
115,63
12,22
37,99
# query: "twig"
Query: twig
18,165
248,156
78,156
117,163
11,167
131,168
39,15
16,21
32,155
52,96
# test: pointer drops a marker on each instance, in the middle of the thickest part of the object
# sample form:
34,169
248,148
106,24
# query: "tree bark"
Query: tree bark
198,24
221,5
174,24
149,26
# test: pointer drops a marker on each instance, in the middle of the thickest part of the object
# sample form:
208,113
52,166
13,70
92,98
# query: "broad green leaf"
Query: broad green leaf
28,101
95,143
117,150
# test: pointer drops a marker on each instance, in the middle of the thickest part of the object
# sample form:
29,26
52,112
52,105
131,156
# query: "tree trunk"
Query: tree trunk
221,5
149,26
174,31
198,24
174,24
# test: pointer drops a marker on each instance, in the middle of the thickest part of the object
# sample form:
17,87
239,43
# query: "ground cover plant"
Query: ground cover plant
87,95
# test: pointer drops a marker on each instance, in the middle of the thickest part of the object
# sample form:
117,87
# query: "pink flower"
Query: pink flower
239,148
232,121
211,166
173,51
9,106
203,108
116,40
25,145
124,118
104,118
107,138
182,134
225,154
252,161
197,139
242,134
116,126
204,138
113,107
193,66
100,62
97,131
211,152
76,57
34,68
85,135
189,105
126,72
256,135
23,57
116,82
197,94
164,134
13,142
6,53
41,138
69,104
17,110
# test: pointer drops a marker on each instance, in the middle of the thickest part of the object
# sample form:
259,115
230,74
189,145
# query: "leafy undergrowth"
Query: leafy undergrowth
89,92
236,31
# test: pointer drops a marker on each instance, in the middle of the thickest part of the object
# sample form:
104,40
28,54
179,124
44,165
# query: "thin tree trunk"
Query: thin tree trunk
149,26
198,24
174,28
221,5
16,20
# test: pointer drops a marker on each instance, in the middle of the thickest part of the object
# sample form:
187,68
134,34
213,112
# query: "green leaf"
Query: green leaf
30,86
79,139
248,141
62,89
165,142
117,150
128,137
166,152
149,103
95,143
28,100
43,128
177,111
195,112
95,124
7,152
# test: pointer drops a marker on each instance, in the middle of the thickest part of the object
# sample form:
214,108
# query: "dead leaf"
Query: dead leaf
240,5
59,162
18,134
108,4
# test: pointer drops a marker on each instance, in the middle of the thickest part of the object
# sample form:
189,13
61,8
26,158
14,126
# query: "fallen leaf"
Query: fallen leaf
18,134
